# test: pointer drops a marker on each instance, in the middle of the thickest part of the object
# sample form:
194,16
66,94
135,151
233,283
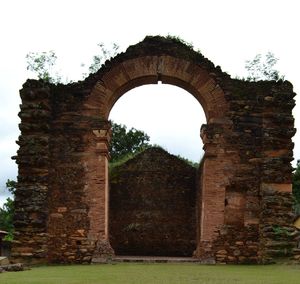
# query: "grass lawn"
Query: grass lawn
155,273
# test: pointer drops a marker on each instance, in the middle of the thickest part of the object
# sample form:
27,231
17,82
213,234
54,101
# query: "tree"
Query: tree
11,186
126,142
296,188
41,64
262,68
7,211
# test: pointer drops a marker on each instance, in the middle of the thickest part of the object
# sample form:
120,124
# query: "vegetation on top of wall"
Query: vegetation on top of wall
130,155
41,64
125,158
189,162
99,59
178,39
261,67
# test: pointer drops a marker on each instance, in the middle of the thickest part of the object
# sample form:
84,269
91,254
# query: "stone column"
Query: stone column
98,192
212,195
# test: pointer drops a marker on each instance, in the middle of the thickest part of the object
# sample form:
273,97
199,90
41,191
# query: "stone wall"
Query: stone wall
152,206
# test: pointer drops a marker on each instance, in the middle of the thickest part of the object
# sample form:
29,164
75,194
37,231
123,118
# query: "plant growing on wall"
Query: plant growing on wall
103,55
41,63
261,67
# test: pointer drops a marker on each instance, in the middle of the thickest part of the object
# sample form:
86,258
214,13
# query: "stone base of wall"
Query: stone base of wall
103,252
233,245
237,245
204,253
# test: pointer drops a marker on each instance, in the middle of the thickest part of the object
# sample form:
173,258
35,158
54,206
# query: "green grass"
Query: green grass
156,273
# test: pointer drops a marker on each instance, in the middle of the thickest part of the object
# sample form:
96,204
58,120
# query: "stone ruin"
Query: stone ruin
243,203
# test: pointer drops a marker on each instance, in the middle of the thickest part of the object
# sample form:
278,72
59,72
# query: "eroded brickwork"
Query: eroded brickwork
244,194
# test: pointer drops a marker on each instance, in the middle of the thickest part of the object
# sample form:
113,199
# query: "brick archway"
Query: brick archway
62,194
202,85
152,69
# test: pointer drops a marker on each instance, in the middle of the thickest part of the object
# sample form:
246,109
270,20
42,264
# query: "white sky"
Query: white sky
226,32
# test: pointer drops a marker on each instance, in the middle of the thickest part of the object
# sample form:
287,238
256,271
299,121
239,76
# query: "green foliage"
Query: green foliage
178,39
11,186
191,163
7,212
6,218
126,142
296,207
41,64
115,163
296,189
104,54
262,68
280,231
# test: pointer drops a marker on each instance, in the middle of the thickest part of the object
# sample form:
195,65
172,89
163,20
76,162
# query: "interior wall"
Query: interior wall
152,206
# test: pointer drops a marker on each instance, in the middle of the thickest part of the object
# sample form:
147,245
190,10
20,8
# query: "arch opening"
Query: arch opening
170,115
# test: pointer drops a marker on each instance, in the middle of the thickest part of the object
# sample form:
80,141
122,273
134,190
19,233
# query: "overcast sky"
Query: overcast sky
226,32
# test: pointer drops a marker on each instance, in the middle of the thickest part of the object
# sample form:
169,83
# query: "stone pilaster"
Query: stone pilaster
277,234
98,190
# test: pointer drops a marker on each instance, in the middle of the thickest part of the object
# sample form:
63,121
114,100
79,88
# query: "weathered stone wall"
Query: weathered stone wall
262,116
278,236
245,199
31,203
152,206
